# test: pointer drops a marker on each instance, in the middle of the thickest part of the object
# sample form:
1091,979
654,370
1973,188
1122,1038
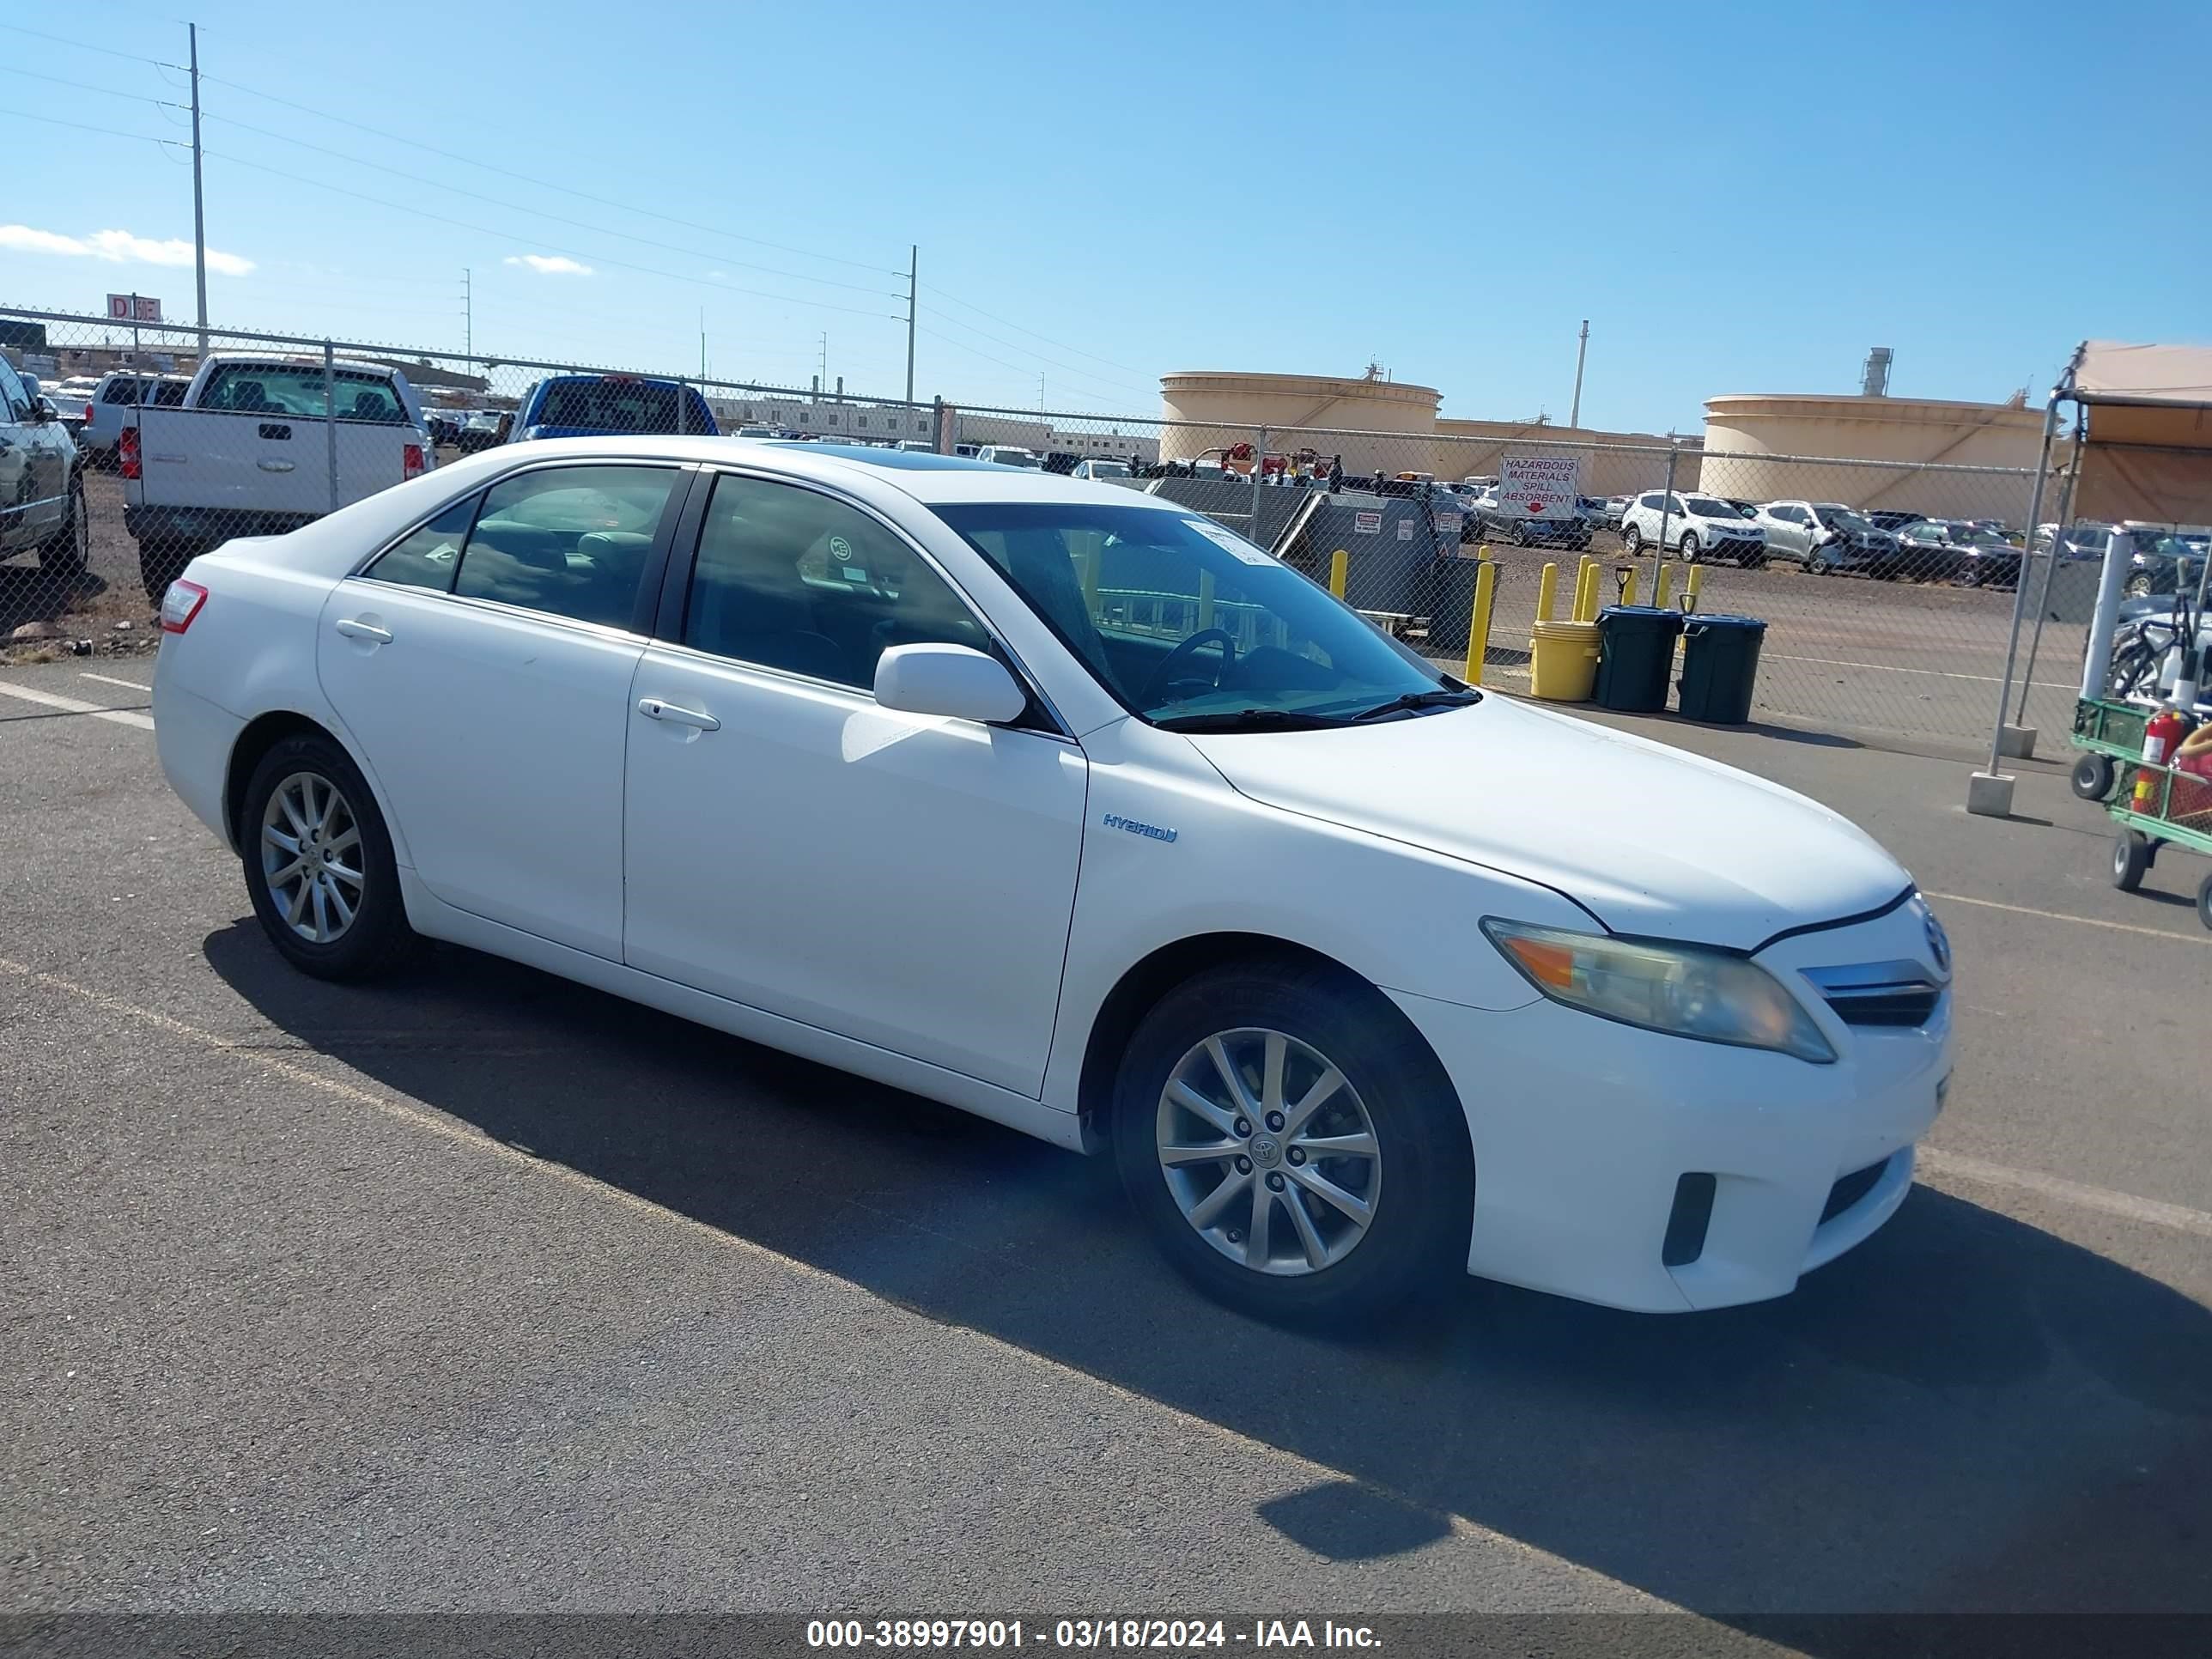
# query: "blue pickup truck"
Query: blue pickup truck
599,405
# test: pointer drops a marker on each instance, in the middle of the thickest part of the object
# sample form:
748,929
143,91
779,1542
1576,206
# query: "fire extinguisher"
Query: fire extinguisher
2162,735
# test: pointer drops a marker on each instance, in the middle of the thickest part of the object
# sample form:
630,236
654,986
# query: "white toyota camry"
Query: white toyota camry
1065,805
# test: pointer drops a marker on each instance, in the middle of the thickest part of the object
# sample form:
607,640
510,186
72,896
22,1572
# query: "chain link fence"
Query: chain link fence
1887,588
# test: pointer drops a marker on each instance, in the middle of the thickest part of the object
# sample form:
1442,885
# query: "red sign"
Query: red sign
133,308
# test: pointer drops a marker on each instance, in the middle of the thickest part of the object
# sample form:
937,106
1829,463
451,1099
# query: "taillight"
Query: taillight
126,453
87,414
410,460
180,605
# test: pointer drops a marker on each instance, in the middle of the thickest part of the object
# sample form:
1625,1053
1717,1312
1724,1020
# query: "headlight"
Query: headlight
1679,989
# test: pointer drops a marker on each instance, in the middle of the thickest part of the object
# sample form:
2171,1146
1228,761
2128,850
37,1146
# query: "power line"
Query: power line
1032,332
483,230
86,46
1080,374
539,213
1092,396
85,86
83,126
544,184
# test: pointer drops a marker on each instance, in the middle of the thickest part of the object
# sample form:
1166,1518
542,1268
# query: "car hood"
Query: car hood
1650,840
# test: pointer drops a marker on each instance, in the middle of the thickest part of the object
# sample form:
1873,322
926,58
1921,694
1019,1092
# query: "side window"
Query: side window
120,390
13,405
360,398
571,541
1651,501
430,556
789,579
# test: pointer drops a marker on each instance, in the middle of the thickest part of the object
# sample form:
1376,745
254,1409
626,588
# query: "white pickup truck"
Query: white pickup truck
254,450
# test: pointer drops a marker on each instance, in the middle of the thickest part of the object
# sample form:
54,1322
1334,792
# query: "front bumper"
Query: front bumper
1583,1130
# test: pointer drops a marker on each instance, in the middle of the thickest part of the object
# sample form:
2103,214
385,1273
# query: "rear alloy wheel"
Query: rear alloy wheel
70,549
1632,539
1691,550
2138,586
1290,1150
318,863
2130,858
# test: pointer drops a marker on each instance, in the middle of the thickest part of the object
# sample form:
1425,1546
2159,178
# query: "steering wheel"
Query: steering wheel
1188,646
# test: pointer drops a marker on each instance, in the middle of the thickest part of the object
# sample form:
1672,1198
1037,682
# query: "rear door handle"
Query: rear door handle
654,709
361,630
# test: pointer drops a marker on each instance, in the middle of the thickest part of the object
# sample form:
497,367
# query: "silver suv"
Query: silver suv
120,391
39,478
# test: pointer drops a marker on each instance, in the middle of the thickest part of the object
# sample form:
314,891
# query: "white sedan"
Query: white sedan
1070,807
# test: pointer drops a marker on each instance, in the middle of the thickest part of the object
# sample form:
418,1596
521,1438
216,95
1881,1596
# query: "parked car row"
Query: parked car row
1824,537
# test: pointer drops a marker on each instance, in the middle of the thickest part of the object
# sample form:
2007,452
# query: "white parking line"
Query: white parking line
1938,673
2127,1205
109,679
2086,921
98,711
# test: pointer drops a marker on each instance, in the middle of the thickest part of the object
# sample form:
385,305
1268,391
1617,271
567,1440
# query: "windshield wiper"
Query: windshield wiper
1442,698
1250,720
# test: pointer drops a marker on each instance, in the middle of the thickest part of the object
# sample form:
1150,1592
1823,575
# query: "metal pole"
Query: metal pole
468,314
1666,508
2020,587
1575,416
2050,572
913,268
199,212
331,420
134,328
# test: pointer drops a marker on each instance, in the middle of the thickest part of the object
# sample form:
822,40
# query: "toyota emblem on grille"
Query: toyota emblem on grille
1939,942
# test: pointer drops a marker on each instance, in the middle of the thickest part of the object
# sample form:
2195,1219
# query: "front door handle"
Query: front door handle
361,630
653,708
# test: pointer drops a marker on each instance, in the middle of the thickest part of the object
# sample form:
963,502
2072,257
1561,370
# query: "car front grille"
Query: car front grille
1895,993
1852,1188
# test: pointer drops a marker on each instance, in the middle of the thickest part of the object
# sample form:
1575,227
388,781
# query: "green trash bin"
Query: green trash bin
1636,657
1720,665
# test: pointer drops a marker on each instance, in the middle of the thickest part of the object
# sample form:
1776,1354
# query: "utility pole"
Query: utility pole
199,211
913,268
1575,416
468,314
702,342
821,365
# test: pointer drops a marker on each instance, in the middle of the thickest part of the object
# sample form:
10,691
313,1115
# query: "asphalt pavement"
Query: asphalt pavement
477,1289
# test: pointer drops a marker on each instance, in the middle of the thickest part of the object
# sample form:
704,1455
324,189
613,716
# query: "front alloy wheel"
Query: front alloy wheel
1689,550
1268,1151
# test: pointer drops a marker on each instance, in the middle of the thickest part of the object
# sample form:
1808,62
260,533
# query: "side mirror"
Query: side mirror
44,412
30,388
955,681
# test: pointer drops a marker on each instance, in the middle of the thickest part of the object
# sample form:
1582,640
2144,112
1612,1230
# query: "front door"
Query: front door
903,880
482,666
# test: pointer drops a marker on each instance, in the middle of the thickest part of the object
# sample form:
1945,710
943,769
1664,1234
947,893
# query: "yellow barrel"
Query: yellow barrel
1563,661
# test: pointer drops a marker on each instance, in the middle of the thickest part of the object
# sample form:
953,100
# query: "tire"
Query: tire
2204,900
1520,532
376,938
1690,550
2130,858
161,560
65,552
1632,539
2138,586
2092,778
1421,1178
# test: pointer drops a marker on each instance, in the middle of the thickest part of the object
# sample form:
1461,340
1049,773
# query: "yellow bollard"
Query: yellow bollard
1204,600
1547,586
1659,587
1690,588
1478,627
1339,567
1628,588
1585,589
1090,565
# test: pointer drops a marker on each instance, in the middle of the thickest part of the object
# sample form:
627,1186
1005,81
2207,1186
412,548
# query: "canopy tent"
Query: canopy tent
2146,432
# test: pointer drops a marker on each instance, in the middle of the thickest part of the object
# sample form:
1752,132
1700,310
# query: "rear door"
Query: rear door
483,664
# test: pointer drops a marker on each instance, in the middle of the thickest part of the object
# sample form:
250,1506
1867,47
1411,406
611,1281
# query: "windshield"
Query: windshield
1841,518
1706,508
1181,620
610,406
1108,470
1012,458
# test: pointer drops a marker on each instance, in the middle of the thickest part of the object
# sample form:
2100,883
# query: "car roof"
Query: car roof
931,479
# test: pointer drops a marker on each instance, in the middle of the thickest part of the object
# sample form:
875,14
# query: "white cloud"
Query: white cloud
119,247
550,264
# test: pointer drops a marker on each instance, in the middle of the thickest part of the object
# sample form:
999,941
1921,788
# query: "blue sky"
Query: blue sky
1739,199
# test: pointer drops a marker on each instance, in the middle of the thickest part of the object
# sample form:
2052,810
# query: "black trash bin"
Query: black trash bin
1720,665
1447,600
1636,644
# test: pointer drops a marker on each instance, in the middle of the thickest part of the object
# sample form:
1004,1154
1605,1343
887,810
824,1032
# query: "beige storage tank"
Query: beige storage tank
1231,407
1743,430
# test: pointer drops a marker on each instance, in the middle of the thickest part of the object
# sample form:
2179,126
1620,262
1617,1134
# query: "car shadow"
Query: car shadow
29,594
1966,1413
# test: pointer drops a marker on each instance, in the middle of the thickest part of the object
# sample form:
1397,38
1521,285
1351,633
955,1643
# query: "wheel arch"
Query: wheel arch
1146,980
264,732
